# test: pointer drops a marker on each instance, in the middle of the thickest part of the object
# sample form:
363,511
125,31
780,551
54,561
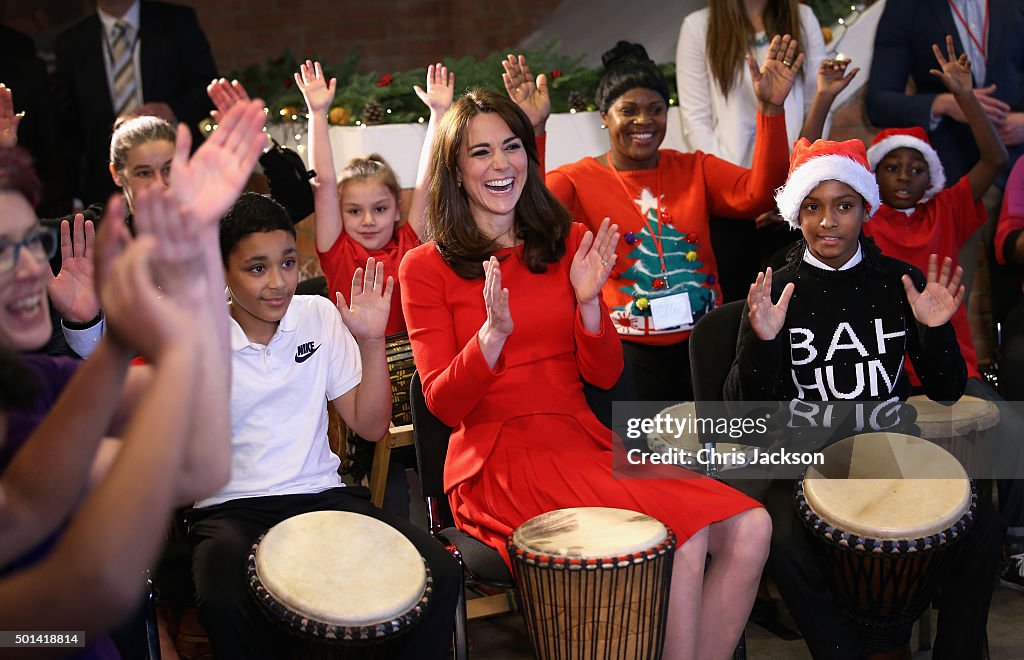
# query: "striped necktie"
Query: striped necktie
122,70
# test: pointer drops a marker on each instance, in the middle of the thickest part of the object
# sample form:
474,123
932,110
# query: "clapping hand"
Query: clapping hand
593,261
366,315
499,316
440,89
177,257
138,317
774,79
206,184
766,318
942,293
316,89
8,119
73,291
530,95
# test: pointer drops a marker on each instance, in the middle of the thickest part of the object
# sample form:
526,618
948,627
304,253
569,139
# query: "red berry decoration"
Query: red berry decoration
556,74
658,283
385,80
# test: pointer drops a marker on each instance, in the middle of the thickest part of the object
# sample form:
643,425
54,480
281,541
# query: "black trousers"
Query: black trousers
222,536
661,373
963,601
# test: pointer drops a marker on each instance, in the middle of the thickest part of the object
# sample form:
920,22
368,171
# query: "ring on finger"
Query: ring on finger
604,262
787,63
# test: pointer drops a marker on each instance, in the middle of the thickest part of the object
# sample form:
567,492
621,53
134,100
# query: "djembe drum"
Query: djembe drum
594,582
400,369
689,443
884,511
959,429
309,574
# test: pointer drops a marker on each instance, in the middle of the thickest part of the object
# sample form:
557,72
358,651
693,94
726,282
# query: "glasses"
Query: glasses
42,243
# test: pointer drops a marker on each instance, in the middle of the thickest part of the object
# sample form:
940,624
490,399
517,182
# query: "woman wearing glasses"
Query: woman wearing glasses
69,562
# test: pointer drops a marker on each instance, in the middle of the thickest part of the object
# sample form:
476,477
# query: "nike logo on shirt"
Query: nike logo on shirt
305,351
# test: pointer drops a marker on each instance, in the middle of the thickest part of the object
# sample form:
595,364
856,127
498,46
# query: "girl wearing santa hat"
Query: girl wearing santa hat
835,323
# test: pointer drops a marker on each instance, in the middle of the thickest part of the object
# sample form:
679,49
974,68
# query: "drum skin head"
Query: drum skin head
968,414
688,442
888,486
341,568
589,533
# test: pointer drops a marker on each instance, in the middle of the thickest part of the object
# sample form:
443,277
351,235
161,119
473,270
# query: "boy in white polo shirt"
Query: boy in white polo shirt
291,355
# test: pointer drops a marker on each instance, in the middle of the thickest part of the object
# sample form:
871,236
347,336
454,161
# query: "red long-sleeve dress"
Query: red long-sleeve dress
525,441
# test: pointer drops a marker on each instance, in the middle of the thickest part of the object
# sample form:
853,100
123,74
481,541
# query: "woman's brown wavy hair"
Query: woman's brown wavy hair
729,29
540,222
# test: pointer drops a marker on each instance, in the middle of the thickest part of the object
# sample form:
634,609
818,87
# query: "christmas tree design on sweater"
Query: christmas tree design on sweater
680,275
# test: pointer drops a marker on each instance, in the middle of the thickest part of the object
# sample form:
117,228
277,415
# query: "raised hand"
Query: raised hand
366,315
831,80
775,78
767,319
209,182
499,316
942,294
316,89
73,289
440,89
530,95
593,261
8,119
954,72
225,95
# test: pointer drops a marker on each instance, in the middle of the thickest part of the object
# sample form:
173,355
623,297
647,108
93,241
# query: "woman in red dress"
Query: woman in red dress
506,319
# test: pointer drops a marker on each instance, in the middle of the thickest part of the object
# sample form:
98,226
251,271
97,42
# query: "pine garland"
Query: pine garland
568,79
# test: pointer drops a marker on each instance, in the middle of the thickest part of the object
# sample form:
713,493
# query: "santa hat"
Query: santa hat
913,138
825,160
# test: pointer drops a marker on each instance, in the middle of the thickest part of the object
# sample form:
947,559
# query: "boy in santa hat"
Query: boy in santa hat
835,324
919,216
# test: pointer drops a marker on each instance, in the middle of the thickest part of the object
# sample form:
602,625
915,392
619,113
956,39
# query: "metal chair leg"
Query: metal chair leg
152,629
461,630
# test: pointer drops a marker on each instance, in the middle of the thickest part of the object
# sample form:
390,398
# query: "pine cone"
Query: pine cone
577,102
373,113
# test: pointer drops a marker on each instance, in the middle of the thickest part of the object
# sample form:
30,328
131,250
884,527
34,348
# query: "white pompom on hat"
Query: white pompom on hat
824,160
912,138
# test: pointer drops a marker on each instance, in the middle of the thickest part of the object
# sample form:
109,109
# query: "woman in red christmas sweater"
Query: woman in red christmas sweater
506,317
666,277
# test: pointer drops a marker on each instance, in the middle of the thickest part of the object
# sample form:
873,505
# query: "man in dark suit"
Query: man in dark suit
903,49
25,75
153,56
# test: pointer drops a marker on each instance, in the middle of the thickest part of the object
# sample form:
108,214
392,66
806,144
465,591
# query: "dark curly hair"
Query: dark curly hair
627,67
541,222
252,213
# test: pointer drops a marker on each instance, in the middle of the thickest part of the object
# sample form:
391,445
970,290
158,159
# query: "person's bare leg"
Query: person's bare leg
684,605
738,548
